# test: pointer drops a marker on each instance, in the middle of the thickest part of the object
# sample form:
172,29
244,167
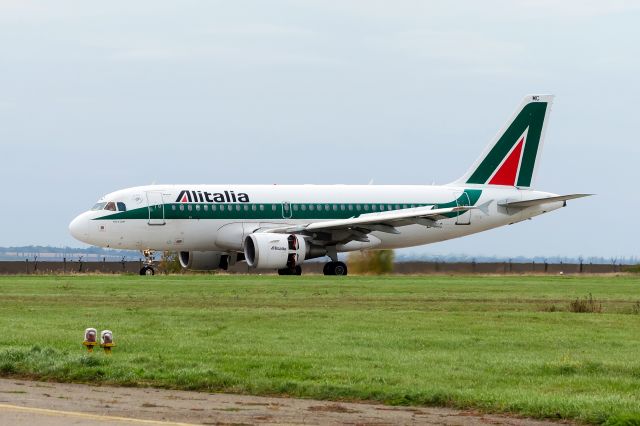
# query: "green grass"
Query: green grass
497,344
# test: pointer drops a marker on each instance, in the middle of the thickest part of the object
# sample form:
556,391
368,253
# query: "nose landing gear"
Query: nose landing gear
148,267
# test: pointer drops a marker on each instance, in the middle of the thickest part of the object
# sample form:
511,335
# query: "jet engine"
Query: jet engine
203,260
274,251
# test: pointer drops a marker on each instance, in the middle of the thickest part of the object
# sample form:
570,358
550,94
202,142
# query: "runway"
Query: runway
41,403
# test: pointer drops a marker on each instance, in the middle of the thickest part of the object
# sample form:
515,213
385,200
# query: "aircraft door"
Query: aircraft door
155,204
463,218
286,210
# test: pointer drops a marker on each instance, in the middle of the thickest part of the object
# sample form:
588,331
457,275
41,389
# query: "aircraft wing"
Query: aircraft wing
356,228
538,201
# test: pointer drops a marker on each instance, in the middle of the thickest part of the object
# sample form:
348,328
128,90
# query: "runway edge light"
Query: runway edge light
90,338
106,341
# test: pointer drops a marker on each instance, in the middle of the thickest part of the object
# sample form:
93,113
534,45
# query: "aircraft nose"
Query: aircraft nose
79,228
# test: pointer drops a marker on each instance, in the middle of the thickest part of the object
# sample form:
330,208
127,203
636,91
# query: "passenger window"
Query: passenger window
358,207
253,207
366,207
303,207
311,207
111,206
335,207
246,208
206,207
121,206
273,207
237,207
295,207
181,207
342,207
197,207
381,207
374,207
213,207
404,206
350,207
173,207
221,207
319,207
189,207
261,207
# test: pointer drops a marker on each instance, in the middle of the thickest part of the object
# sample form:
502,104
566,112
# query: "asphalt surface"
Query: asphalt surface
43,403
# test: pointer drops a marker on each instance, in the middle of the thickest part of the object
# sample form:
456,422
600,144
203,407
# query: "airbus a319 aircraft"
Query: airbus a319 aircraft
278,227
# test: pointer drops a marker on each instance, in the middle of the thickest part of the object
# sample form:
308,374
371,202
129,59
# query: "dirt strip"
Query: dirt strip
43,403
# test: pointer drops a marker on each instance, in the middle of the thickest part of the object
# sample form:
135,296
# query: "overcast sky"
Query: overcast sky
98,96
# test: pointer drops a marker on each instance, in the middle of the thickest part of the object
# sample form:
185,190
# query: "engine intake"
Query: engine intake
274,251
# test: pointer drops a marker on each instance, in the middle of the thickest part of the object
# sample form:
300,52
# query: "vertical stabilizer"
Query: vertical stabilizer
512,156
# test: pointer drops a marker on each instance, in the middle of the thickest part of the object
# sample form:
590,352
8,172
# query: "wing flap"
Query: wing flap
389,219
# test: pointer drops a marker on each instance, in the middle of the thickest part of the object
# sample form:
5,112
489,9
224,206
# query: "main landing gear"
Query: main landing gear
147,267
335,268
288,271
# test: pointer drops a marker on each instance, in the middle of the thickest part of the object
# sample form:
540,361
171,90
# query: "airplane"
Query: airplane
278,227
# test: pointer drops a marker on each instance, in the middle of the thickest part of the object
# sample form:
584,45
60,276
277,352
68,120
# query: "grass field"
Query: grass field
498,344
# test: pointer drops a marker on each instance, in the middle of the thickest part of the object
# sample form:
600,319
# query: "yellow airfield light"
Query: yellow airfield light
90,338
106,341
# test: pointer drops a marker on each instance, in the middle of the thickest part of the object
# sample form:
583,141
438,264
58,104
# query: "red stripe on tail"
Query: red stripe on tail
506,174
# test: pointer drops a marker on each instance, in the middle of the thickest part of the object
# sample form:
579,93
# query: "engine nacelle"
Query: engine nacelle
274,251
202,260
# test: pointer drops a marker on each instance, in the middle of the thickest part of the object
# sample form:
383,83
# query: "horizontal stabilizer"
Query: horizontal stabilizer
538,201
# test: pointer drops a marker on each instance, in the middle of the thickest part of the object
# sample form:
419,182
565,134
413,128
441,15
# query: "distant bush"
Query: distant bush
550,308
170,263
635,269
374,262
586,305
635,309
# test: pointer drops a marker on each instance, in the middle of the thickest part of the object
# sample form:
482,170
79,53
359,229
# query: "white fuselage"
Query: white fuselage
218,217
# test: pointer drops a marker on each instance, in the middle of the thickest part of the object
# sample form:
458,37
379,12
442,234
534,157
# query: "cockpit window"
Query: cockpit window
121,206
111,206
98,206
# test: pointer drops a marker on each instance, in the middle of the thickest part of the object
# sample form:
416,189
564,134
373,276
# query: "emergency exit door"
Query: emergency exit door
463,218
155,205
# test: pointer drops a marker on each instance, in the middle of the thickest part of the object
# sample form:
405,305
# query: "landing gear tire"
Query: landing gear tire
335,268
147,270
288,271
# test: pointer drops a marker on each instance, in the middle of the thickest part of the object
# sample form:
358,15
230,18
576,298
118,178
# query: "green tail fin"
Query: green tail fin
511,158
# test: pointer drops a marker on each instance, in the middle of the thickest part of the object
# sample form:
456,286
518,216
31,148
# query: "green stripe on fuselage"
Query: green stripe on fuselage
263,211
